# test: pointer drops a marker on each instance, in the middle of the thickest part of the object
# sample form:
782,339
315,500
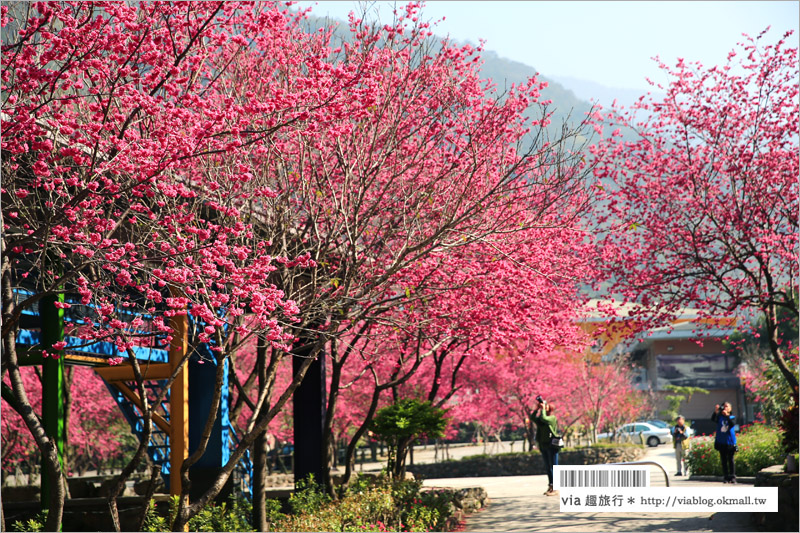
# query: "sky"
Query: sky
610,43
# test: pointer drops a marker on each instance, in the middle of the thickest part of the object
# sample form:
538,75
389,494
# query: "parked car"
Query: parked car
661,424
652,435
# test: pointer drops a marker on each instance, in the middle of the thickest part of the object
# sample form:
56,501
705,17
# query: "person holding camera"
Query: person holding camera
546,433
679,436
725,440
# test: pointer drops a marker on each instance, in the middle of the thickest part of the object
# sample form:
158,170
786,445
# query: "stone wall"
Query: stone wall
786,519
523,464
279,480
462,502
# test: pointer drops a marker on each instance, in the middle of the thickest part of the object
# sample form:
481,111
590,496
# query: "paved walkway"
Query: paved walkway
517,504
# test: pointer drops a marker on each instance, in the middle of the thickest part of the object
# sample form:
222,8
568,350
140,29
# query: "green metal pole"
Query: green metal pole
52,323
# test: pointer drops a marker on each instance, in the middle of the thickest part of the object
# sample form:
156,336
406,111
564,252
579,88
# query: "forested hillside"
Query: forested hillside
504,72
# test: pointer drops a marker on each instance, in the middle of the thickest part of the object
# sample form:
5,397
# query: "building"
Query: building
689,352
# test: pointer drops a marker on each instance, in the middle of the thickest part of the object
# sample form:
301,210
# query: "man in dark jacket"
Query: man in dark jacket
679,436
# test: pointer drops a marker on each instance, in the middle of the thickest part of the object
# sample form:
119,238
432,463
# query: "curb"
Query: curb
747,480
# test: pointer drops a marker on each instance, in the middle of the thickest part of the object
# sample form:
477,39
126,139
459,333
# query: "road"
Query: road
517,504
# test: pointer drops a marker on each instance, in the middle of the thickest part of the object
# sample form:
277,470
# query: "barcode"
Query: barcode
603,478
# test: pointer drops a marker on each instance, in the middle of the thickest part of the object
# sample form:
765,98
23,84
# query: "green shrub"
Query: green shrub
223,517
421,511
789,425
431,511
796,457
366,505
153,521
32,524
759,448
401,423
274,511
365,511
235,515
308,497
702,459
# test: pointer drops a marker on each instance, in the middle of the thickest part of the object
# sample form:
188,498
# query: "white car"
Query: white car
651,435
662,424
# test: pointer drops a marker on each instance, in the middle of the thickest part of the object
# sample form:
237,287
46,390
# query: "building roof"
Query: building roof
688,330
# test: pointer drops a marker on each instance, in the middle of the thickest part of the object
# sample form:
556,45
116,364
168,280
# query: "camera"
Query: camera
540,399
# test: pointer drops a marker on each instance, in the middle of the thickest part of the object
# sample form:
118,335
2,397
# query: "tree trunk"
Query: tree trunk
119,482
327,430
68,377
530,432
260,449
351,447
770,313
185,512
400,459
155,472
17,399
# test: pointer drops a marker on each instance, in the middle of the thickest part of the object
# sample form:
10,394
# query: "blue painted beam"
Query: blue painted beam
32,339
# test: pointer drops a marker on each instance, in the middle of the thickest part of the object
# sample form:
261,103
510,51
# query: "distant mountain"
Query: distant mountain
605,96
504,72
572,98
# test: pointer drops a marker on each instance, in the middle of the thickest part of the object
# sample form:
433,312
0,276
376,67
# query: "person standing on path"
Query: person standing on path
679,437
546,429
725,440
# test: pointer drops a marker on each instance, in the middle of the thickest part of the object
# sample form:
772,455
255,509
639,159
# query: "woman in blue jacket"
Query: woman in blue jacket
725,441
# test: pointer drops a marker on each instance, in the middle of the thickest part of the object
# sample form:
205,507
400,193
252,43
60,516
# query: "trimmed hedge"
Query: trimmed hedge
759,448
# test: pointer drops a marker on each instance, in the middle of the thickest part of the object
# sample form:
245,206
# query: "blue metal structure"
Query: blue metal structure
201,383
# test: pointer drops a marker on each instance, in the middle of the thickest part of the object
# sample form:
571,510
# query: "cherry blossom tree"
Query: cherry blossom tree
18,445
760,376
113,126
420,160
212,159
508,393
459,309
95,431
605,396
701,210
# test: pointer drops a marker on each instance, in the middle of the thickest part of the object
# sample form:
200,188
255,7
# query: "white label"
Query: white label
729,499
600,476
